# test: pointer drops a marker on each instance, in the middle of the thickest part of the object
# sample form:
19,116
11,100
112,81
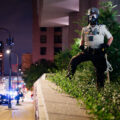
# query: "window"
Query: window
43,50
43,39
57,39
57,50
42,60
57,29
43,29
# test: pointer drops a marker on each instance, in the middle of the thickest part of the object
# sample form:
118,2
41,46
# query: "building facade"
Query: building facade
26,61
54,25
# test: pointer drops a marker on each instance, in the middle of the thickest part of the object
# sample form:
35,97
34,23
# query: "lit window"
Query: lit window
43,50
43,39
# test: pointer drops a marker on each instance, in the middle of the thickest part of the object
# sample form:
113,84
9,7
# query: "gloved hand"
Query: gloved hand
104,46
81,47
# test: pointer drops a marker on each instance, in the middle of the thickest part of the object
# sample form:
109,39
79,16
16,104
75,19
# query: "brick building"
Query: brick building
54,27
26,61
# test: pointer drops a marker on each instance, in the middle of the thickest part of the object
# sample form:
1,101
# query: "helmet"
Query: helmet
93,11
93,14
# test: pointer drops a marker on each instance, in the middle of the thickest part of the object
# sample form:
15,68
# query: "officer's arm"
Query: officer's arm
108,35
82,37
82,41
110,41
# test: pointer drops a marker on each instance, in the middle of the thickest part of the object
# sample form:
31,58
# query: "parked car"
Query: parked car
4,99
0,98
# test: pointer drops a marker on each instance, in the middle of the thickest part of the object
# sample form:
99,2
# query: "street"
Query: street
24,111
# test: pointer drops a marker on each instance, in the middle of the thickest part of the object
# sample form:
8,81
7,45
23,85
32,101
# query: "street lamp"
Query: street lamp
10,72
8,51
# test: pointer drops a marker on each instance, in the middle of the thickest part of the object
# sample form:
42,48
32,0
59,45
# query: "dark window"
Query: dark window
43,39
43,29
42,60
57,29
57,50
43,50
57,39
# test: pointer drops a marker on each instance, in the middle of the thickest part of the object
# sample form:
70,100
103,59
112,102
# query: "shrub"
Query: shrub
105,105
108,16
35,71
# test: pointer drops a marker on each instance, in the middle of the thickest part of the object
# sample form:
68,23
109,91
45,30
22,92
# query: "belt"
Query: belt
94,50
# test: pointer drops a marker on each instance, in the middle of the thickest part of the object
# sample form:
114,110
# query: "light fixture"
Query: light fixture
8,51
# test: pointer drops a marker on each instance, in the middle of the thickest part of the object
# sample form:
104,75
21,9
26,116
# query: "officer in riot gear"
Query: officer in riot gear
93,14
93,47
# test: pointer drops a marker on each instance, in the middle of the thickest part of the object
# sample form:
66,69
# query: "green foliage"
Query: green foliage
75,47
108,16
35,71
105,105
62,59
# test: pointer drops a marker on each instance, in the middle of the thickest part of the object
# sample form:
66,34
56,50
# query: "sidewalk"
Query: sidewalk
24,111
54,105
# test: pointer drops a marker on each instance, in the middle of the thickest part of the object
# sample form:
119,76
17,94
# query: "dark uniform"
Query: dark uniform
93,37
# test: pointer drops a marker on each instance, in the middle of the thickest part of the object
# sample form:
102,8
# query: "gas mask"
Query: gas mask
93,14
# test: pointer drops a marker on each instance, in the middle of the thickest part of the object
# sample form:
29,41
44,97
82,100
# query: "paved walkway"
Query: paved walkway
24,111
54,105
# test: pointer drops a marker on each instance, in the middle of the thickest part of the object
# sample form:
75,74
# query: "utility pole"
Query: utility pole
10,72
17,78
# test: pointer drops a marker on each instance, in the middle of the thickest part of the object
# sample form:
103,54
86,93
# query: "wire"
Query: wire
109,66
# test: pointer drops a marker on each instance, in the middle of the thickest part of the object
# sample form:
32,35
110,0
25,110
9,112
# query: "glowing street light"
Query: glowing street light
8,51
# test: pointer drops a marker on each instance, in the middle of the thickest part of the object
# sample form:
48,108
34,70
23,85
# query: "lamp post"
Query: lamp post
17,69
17,78
9,52
10,71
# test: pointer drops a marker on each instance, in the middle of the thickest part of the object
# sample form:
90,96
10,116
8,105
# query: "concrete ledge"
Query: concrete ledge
40,107
51,104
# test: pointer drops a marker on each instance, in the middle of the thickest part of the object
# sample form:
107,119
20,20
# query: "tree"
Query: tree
108,16
35,71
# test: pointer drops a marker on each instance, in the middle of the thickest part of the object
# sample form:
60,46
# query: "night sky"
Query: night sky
16,15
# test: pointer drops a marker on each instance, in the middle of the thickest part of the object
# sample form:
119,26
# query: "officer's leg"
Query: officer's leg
75,61
100,78
100,64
